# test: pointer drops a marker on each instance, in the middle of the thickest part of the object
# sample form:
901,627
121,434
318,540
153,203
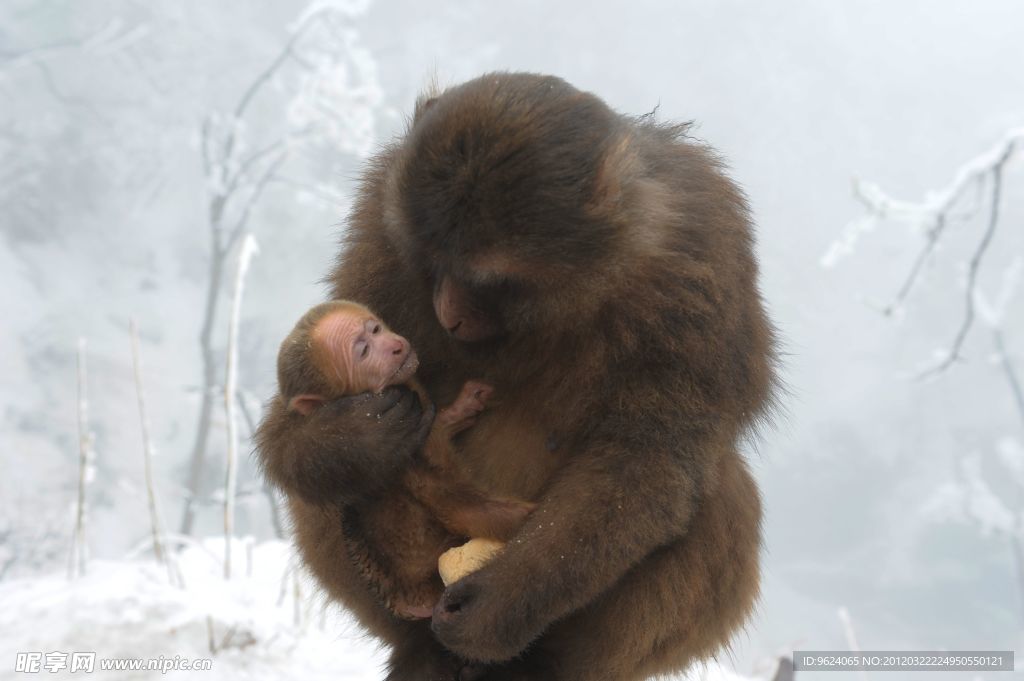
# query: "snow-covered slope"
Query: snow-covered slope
264,623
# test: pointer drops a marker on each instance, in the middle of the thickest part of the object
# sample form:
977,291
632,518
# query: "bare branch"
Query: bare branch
264,77
1010,371
236,182
934,234
105,37
252,160
147,457
78,557
784,671
938,203
204,145
249,249
254,197
935,212
268,489
975,265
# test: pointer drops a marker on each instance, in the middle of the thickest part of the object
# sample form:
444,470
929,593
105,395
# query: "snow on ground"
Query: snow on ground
130,609
264,623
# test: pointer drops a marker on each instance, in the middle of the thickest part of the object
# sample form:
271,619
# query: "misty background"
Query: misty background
141,141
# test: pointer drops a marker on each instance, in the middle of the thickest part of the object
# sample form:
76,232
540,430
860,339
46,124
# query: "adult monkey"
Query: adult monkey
597,270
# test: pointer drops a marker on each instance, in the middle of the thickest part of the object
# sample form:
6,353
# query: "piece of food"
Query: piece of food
454,564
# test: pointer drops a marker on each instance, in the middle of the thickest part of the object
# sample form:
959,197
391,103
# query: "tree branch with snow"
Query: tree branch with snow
933,215
334,95
248,250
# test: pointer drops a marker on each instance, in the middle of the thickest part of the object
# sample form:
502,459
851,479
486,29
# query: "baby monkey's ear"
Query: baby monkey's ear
305,404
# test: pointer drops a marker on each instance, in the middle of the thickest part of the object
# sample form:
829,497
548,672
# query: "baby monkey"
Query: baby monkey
340,348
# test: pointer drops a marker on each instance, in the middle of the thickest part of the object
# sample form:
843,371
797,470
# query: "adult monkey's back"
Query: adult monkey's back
597,270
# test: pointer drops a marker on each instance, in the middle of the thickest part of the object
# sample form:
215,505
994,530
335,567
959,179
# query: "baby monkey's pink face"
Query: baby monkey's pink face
359,353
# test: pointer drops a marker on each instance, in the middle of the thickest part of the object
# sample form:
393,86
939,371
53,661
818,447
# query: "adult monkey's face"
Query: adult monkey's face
463,313
502,196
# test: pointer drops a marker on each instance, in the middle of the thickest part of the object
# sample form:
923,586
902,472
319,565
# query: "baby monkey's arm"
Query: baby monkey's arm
463,508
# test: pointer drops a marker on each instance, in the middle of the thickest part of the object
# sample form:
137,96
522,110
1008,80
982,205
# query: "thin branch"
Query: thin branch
975,265
264,77
784,670
219,158
147,456
249,249
204,146
1010,371
268,489
77,560
934,234
933,211
939,202
256,156
850,633
250,161
210,640
254,197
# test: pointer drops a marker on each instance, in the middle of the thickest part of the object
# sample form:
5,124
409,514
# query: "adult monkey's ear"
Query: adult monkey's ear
422,105
305,404
617,168
427,98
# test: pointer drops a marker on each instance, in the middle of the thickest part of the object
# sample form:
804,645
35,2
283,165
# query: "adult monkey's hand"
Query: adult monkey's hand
348,449
553,568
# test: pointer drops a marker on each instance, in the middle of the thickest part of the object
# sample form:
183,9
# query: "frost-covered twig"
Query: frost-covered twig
147,445
297,594
108,39
992,314
933,214
784,670
254,197
849,633
211,642
937,204
1010,371
248,250
268,489
229,173
975,264
162,555
86,456
264,77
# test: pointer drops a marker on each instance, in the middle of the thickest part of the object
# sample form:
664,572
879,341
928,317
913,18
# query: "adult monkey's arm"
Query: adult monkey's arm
606,510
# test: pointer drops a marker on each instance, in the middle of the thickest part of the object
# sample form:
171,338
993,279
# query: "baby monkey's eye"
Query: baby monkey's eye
365,352
376,328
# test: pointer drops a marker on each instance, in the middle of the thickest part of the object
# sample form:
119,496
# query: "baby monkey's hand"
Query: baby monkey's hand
462,413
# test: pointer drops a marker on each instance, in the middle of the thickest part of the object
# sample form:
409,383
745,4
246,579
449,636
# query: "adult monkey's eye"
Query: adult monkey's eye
362,349
376,328
366,351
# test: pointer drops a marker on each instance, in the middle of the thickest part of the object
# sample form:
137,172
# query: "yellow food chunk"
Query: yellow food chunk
454,564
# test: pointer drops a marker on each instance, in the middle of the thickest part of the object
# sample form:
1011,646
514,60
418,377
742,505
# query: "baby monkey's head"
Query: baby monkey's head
340,348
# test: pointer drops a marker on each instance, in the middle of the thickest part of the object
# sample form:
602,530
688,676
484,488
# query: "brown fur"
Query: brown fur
635,357
394,539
